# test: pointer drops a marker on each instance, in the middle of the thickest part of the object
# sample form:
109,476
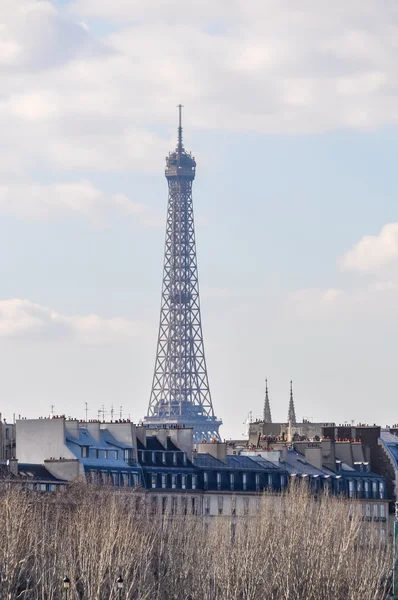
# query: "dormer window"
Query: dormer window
174,458
85,451
184,458
164,458
153,457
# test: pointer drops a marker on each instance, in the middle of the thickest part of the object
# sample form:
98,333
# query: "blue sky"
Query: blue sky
291,114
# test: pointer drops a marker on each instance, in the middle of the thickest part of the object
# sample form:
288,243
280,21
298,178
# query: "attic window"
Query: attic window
84,451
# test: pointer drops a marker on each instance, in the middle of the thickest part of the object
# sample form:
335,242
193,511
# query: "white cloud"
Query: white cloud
373,251
22,318
81,199
74,99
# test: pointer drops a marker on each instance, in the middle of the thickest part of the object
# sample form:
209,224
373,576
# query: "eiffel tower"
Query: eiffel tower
180,389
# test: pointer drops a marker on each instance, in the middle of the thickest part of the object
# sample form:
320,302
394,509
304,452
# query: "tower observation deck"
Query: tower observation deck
180,392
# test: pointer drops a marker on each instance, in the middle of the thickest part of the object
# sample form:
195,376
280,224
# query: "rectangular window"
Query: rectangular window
220,504
232,481
351,489
219,481
246,506
164,505
106,454
206,480
173,482
174,505
184,458
115,479
184,505
207,505
375,512
174,458
154,458
270,481
84,451
125,480
127,454
153,480
368,514
134,479
283,481
257,482
194,505
382,510
194,482
164,458
374,489
154,505
244,479
7,433
366,489
233,505
381,489
183,482
164,480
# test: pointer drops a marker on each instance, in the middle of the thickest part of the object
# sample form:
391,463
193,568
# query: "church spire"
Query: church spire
291,417
267,408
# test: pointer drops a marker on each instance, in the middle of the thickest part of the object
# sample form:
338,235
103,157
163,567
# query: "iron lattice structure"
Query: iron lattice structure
180,390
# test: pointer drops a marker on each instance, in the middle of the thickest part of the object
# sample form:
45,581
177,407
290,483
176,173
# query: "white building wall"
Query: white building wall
38,440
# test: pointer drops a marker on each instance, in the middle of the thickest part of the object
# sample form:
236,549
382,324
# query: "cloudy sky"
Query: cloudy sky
291,110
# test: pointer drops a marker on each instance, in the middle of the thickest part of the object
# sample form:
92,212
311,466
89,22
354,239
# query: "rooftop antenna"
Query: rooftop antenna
86,410
112,413
52,411
121,413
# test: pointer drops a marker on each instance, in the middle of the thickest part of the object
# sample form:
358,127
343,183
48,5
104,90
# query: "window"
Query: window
174,458
246,506
164,505
219,481
134,479
183,482
127,454
220,504
206,480
84,451
154,505
194,505
233,505
104,476
283,481
375,512
232,481
52,487
164,458
143,456
7,433
173,482
115,479
382,510
153,480
351,489
125,479
174,505
270,481
184,458
367,512
153,458
244,479
381,489
194,482
359,488
164,481
106,454
374,489
138,504
207,505
184,505
257,482
366,489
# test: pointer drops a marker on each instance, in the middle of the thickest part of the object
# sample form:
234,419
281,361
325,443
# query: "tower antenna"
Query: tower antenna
180,146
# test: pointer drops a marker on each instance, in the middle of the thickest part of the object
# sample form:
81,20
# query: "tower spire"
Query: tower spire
291,417
267,408
180,146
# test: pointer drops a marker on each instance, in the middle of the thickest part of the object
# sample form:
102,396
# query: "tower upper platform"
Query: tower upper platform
180,163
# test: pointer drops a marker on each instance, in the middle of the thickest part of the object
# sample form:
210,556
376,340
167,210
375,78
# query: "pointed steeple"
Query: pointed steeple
291,417
267,408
